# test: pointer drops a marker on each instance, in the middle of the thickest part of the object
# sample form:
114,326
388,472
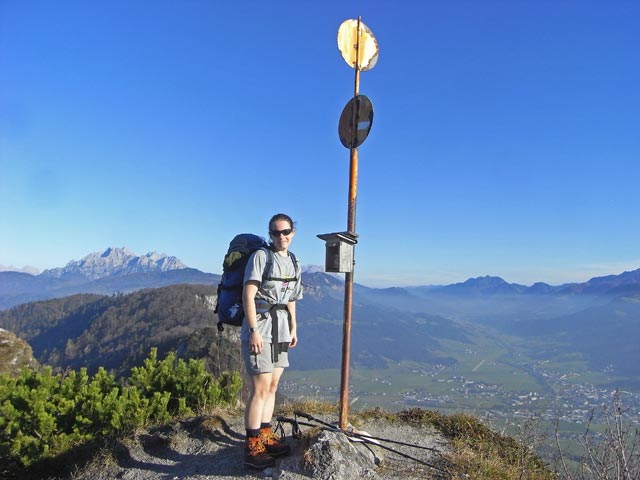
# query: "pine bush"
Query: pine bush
43,415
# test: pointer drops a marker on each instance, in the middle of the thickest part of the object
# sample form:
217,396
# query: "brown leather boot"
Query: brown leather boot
272,443
255,454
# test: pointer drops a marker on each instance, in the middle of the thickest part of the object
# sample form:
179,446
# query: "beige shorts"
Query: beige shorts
263,362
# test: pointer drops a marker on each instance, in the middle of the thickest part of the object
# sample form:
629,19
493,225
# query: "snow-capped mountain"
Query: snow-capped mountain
115,261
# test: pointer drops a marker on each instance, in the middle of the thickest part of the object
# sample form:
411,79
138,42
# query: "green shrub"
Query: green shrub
43,415
190,386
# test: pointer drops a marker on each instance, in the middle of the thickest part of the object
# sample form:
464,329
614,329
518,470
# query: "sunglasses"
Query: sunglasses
285,232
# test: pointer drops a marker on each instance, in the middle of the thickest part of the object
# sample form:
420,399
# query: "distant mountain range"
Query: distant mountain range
488,285
115,261
114,270
121,270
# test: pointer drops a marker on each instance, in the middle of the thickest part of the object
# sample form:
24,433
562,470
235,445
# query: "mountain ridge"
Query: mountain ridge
121,270
115,261
111,271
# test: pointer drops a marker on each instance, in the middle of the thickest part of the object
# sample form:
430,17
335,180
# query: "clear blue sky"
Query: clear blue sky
506,137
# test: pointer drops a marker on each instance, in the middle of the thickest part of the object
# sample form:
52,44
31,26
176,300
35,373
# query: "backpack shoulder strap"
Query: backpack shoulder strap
267,273
296,265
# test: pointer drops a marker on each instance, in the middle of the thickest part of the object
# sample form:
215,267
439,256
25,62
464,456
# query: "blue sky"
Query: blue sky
505,139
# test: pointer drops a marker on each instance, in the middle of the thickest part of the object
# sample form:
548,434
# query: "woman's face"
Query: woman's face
277,234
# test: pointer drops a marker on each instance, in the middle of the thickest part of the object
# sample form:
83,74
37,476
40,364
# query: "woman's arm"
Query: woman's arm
291,306
248,301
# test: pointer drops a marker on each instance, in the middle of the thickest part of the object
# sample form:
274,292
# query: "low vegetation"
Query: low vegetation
43,414
479,452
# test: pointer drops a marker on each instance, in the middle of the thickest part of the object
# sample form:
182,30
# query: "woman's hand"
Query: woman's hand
294,338
255,342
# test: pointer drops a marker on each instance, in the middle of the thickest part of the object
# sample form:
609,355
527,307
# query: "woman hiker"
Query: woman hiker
268,330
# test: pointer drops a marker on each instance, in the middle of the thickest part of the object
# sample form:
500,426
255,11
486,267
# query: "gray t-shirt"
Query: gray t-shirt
272,292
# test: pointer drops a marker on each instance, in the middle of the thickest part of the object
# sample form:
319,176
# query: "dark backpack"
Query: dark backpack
229,303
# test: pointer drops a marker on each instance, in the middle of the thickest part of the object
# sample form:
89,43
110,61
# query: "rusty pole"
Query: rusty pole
348,282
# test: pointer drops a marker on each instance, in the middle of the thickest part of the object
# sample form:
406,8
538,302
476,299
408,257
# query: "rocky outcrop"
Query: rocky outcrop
15,353
332,456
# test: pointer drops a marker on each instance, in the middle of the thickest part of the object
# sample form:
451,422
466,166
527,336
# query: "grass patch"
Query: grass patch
373,414
480,452
310,406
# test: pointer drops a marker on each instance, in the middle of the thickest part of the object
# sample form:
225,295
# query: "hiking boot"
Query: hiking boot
255,454
272,443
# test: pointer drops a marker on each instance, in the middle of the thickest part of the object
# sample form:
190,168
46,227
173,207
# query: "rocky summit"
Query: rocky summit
115,261
210,447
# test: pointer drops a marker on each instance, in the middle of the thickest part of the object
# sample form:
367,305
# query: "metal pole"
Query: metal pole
348,300
348,282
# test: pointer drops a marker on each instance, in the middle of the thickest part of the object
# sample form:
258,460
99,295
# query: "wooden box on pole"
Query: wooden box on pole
339,251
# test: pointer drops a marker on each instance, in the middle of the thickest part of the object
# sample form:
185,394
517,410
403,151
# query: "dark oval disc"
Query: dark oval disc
355,121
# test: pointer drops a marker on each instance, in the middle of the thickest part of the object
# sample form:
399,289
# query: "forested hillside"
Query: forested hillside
118,331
